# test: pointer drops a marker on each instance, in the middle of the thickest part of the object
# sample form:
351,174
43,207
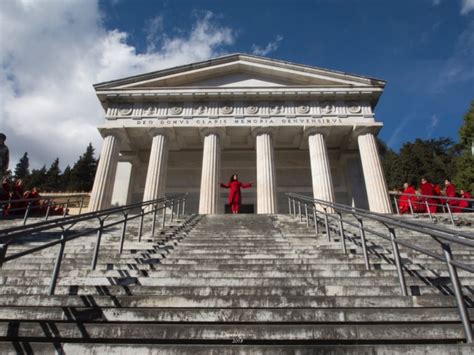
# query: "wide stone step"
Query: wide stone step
280,302
308,290
234,315
223,332
231,347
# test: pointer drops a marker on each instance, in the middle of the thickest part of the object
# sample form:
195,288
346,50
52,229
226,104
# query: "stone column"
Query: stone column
266,178
156,174
375,184
323,188
101,195
211,159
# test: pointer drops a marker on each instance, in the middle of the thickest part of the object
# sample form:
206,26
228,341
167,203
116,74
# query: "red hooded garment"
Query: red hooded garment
427,189
235,196
403,204
464,204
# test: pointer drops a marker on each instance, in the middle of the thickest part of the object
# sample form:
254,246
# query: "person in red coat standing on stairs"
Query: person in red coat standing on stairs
235,196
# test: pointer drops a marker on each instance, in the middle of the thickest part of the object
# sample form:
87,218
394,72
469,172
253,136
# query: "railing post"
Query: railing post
178,204
363,242
299,211
163,221
411,206
453,275
153,225
341,233
428,210
184,205
27,211
171,210
65,208
398,263
3,252
124,231
289,205
47,210
97,245
57,265
396,204
315,217
81,205
306,213
294,206
326,222
450,214
140,228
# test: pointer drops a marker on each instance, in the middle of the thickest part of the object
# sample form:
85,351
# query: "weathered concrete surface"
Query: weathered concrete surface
235,278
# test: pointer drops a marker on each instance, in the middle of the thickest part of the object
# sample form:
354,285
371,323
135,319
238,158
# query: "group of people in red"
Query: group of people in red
14,200
435,197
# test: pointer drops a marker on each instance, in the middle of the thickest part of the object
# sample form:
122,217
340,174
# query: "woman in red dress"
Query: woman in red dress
235,197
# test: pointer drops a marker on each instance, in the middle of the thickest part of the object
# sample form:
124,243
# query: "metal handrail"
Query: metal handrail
176,204
444,204
324,212
29,205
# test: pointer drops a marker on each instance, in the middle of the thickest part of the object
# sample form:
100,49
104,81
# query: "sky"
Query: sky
53,51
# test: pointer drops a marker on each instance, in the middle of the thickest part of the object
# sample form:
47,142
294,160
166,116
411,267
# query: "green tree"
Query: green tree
37,178
83,171
22,170
53,179
65,178
464,163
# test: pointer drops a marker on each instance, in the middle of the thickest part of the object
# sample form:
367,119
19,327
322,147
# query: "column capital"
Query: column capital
167,132
362,130
219,131
309,131
264,130
116,132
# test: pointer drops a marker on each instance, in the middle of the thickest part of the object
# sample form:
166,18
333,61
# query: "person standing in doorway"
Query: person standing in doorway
235,196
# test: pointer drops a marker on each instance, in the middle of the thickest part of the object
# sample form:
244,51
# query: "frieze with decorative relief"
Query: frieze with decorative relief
239,109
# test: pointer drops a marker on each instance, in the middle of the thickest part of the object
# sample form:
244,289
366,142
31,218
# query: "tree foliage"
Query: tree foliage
464,163
22,169
79,178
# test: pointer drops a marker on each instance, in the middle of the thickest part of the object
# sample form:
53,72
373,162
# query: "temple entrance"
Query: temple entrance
244,208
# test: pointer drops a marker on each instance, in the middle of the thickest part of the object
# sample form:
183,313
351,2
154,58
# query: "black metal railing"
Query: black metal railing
41,207
62,228
431,204
334,217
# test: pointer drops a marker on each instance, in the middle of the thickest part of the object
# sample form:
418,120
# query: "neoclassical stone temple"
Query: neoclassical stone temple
286,127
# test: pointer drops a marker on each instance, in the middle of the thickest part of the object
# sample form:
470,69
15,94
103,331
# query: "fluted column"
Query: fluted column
101,195
211,159
323,188
375,184
157,166
266,179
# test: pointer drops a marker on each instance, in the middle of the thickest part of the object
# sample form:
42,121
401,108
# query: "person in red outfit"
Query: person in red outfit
408,194
419,205
427,189
465,205
451,192
5,197
235,196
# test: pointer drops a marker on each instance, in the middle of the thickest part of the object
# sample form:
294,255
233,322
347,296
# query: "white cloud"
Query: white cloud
51,52
436,2
270,47
434,121
467,6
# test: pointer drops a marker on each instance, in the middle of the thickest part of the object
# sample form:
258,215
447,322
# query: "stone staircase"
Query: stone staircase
231,284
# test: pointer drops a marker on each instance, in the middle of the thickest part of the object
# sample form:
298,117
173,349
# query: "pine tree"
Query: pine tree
22,170
37,179
65,178
83,171
53,180
464,178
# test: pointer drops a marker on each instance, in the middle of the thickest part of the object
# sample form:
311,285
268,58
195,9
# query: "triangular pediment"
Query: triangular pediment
241,71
